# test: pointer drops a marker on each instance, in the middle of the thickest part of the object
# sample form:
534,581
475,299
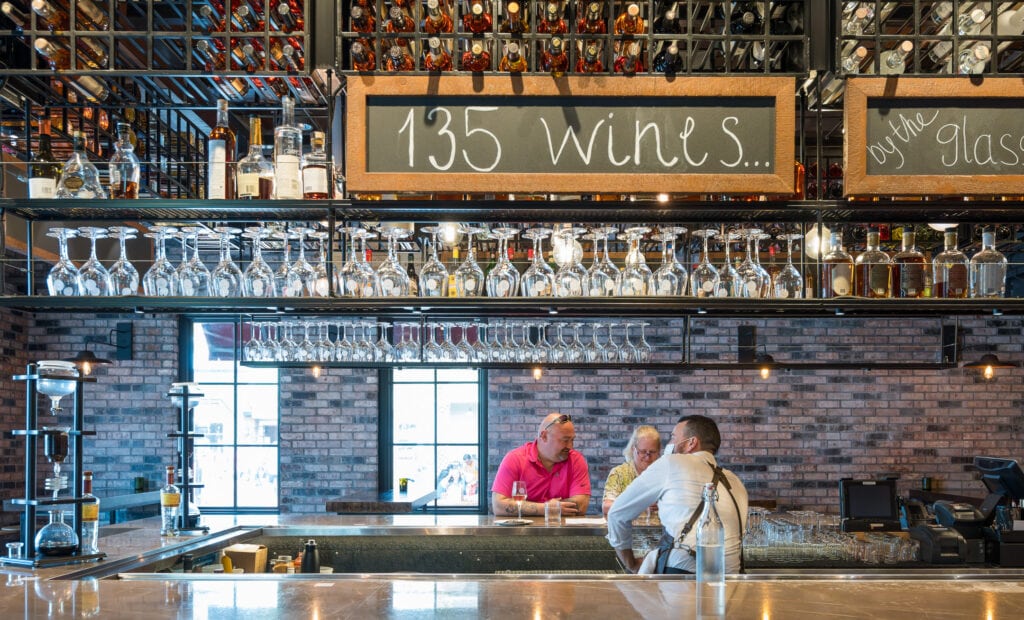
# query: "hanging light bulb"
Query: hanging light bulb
537,373
815,246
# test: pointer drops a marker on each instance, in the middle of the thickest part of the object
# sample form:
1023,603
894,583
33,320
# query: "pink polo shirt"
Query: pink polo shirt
567,478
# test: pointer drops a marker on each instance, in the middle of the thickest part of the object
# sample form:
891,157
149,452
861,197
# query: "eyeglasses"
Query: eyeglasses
647,453
562,419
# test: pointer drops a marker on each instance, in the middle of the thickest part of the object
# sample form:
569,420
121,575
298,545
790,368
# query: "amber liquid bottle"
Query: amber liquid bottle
436,21
951,270
628,62
513,60
591,61
908,268
629,22
836,270
477,21
437,57
872,271
554,59
552,22
592,21
221,154
363,58
476,59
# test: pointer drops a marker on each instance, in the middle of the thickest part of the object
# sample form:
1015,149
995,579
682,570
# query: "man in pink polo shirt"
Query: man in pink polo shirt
551,469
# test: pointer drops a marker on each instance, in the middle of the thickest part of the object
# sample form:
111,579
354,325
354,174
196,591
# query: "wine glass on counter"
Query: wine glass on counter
124,277
433,279
64,278
519,495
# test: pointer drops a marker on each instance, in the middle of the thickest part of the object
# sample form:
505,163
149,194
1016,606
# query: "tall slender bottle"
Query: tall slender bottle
43,170
255,172
988,269
287,154
221,154
908,268
872,271
710,554
170,505
125,170
90,516
836,269
950,270
314,169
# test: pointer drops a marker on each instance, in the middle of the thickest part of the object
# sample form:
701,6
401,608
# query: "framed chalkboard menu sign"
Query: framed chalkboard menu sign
910,136
577,134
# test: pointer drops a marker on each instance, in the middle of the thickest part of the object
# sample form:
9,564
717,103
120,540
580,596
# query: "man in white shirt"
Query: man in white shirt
676,482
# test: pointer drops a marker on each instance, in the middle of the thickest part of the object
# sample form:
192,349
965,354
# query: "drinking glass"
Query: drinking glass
495,349
286,282
258,279
670,278
450,353
788,283
503,279
466,352
271,343
349,277
481,350
602,273
519,495
542,349
94,277
303,271
539,279
63,279
324,346
366,280
433,279
765,287
559,352
729,282
595,350
365,350
392,278
385,350
572,279
611,350
342,346
193,274
469,277
408,348
286,346
161,279
226,278
432,352
704,281
306,351
321,284
635,278
527,350
644,350
627,350
124,278
252,350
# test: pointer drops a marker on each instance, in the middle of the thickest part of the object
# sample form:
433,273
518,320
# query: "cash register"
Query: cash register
1005,483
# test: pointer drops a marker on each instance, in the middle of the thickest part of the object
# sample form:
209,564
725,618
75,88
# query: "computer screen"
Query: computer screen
1001,476
868,499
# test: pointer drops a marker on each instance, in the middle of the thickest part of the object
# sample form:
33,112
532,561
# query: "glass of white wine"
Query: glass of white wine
519,495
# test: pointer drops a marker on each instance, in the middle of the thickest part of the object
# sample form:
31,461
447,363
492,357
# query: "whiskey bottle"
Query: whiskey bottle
553,23
668,61
668,21
287,18
836,269
515,20
988,269
592,21
212,60
58,54
245,57
398,60
363,58
628,62
513,60
590,62
125,170
478,20
476,59
629,21
287,154
19,18
80,178
436,21
43,169
285,56
437,57
908,268
55,18
90,516
399,22
207,19
361,20
553,59
872,271
245,19
170,505
221,156
314,169
950,270
255,172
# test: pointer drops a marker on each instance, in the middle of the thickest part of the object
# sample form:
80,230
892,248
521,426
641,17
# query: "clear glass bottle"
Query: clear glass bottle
710,543
894,61
125,170
221,156
56,537
170,505
315,185
872,271
80,178
836,269
287,154
90,516
43,169
255,172
988,269
908,268
950,270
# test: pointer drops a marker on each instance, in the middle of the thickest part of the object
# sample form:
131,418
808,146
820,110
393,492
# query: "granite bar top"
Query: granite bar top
388,502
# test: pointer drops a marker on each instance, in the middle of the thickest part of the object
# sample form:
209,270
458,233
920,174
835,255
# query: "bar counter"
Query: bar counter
62,592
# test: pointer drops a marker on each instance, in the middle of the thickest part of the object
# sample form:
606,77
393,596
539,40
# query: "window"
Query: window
236,459
435,419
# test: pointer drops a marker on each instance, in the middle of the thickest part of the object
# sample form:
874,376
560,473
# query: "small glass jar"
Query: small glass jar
57,537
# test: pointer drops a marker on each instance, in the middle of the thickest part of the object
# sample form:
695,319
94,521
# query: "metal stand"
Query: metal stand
186,439
31,501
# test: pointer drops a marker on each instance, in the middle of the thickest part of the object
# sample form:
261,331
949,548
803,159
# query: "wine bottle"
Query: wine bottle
512,61
554,59
314,169
221,156
245,19
476,59
125,170
255,172
629,21
436,21
43,169
668,61
668,21
288,154
553,23
590,62
437,57
287,18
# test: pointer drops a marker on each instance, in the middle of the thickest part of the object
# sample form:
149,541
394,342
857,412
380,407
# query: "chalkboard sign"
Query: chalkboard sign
921,136
597,134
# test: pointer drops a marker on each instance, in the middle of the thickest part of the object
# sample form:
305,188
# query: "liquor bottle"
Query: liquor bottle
668,61
836,269
363,58
208,20
553,23
80,178
90,516
285,57
554,59
368,6
58,54
170,505
513,60
988,269
628,62
667,22
212,60
437,57
436,21
861,22
56,18
287,18
361,20
243,56
398,60
710,547
18,17
245,19
834,184
125,170
221,156
399,22
894,61
872,271
515,20
288,154
593,21
255,172
968,24
478,20
590,62
629,21
908,268
43,169
314,169
476,59
951,270
970,61
745,19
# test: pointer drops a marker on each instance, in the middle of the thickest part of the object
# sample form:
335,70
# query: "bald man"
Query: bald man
551,469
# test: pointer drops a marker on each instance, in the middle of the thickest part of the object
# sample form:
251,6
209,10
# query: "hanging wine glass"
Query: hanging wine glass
272,343
286,282
559,351
527,350
765,287
496,351
481,350
644,350
193,274
469,277
342,346
94,277
408,347
306,351
788,283
577,351
258,279
348,279
466,352
635,278
365,349
450,351
433,280
729,282
63,279
324,347
301,269
252,350
611,350
385,350
595,350
392,278
539,278
226,277
627,350
542,349
750,276
366,282
704,280
161,279
671,278
503,279
603,273
432,352
286,346
321,284
124,278
572,279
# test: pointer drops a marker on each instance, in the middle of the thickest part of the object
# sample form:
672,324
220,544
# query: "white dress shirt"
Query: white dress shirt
676,482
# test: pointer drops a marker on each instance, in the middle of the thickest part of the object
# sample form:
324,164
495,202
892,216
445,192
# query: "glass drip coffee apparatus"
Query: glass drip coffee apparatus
56,446
56,538
56,380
